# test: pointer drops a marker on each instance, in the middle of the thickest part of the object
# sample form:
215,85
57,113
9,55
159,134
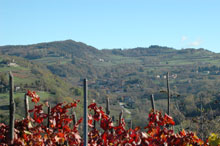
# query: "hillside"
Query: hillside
68,49
130,76
30,76
61,57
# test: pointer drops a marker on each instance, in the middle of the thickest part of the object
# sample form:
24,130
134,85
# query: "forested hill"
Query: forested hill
63,58
68,48
155,50
128,76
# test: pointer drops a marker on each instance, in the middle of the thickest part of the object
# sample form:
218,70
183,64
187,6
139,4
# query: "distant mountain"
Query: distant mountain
68,48
156,50
72,49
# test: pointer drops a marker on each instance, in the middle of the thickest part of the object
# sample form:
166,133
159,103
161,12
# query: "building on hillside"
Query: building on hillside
101,60
12,64
174,76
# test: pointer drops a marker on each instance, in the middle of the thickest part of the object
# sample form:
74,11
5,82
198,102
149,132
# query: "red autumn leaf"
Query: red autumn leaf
106,124
67,120
92,106
104,137
60,134
35,100
183,133
34,96
168,119
97,116
66,128
90,121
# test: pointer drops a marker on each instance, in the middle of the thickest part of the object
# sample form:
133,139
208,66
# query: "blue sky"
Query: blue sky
113,23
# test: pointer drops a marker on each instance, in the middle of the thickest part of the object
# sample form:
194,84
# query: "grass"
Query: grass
4,102
8,68
44,95
19,101
4,97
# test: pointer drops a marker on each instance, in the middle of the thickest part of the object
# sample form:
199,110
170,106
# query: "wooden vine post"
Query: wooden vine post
107,110
85,122
12,108
168,94
26,106
131,124
120,117
74,118
94,124
107,106
48,115
152,102
201,118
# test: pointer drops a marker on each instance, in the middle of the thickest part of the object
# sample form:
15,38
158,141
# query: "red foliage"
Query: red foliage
33,131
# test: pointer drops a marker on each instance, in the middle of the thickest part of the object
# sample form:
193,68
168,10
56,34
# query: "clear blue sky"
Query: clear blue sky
113,23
